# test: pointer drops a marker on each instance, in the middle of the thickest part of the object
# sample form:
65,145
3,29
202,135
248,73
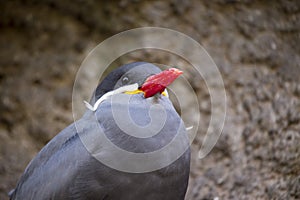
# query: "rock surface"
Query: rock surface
255,44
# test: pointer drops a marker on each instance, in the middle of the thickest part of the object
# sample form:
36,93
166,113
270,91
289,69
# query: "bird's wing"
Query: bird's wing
54,166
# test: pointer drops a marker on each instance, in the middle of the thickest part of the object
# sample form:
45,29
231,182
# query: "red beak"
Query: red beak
158,82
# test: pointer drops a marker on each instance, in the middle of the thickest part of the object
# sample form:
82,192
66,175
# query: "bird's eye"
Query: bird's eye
125,80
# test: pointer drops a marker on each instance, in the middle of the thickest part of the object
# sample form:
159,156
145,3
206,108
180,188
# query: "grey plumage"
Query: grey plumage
65,169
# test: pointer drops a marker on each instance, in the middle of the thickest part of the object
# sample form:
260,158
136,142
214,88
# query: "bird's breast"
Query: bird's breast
139,124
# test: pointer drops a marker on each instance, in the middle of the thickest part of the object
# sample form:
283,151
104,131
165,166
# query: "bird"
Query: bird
77,165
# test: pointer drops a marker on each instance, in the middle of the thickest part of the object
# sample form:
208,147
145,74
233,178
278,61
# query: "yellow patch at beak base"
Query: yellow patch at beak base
134,92
140,91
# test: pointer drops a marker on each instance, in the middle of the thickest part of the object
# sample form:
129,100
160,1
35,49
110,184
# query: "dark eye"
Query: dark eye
125,80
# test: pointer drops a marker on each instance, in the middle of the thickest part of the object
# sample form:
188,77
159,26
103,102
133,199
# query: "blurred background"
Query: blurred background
255,44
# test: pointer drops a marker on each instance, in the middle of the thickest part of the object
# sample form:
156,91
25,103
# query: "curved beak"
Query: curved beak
157,83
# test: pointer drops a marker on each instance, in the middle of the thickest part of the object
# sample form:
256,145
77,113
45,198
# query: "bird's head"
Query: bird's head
134,78
149,78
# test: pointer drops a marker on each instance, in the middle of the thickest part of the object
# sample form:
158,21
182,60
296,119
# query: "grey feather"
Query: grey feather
65,168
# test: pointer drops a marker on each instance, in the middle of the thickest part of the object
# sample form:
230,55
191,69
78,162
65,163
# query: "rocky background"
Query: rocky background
255,44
